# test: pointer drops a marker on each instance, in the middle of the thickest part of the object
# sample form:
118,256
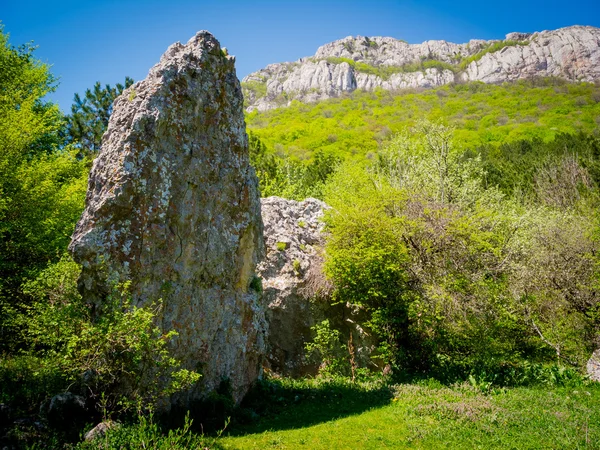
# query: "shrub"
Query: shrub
120,357
327,348
125,356
449,269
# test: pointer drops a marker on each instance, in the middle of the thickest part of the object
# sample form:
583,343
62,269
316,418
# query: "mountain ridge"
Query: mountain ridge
369,63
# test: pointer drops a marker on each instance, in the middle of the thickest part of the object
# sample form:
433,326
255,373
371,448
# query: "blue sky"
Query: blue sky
89,41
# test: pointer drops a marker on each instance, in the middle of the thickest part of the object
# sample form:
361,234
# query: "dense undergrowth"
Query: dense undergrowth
464,224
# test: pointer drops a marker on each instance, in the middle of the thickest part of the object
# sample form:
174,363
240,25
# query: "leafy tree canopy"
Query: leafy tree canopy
42,183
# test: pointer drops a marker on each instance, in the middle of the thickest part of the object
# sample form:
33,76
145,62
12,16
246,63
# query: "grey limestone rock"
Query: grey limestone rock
293,235
65,410
572,53
99,430
593,366
173,206
296,290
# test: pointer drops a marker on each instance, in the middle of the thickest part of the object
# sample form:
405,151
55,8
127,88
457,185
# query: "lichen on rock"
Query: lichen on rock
173,207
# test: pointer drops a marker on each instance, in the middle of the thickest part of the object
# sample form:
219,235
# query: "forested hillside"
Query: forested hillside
358,124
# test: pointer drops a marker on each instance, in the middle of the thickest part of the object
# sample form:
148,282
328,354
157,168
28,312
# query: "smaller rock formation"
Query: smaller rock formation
64,411
99,430
293,241
295,288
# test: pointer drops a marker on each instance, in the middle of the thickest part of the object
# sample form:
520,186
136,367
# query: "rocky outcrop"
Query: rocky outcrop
173,207
65,410
352,63
593,366
296,290
294,240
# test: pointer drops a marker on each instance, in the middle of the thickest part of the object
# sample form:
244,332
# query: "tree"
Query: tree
89,115
452,273
42,184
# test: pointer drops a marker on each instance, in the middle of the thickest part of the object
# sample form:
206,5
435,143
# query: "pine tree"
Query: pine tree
89,115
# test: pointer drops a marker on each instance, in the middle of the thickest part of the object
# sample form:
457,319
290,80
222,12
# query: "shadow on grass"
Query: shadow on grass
288,404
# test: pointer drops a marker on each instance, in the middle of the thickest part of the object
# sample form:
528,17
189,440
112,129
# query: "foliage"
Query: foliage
327,348
287,177
28,125
126,356
562,170
89,115
254,90
147,434
27,381
56,313
357,125
449,269
42,186
122,355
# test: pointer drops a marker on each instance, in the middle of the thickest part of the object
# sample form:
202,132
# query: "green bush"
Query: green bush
119,357
42,184
126,357
327,348
450,269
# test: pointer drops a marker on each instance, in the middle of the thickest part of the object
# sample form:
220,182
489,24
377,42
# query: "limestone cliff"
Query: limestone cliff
572,53
173,206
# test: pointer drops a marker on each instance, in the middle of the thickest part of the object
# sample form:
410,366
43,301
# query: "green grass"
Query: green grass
340,414
431,416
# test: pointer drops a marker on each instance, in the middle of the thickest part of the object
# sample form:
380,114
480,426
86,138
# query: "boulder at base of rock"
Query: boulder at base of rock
296,290
173,207
99,430
65,411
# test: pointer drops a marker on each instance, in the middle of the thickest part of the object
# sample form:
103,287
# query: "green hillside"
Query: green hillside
356,125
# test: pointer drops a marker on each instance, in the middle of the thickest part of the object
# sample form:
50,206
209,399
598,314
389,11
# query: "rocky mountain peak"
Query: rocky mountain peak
368,63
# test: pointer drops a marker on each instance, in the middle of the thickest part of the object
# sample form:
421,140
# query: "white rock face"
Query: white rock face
572,53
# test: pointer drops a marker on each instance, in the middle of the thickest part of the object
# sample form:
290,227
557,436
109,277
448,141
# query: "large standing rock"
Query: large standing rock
173,206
